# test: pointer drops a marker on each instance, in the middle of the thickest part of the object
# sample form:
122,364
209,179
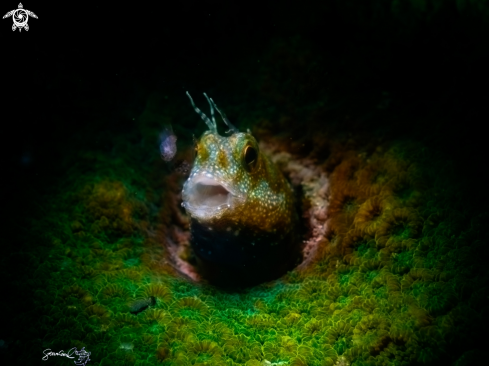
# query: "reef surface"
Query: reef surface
391,272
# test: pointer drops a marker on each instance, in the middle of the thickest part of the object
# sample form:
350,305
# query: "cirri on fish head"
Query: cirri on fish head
242,208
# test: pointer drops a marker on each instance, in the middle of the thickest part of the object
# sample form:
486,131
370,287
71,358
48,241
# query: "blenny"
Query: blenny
242,209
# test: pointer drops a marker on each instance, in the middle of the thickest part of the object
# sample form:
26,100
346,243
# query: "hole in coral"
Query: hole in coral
344,279
371,275
404,259
380,177
381,345
375,212
349,203
363,247
230,261
404,193
402,231
343,202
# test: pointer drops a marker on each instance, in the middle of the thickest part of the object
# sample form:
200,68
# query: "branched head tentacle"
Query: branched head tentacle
210,124
212,110
226,121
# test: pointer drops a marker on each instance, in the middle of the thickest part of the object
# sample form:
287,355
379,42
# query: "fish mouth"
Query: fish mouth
205,196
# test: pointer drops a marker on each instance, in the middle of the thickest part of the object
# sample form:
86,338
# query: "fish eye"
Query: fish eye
250,157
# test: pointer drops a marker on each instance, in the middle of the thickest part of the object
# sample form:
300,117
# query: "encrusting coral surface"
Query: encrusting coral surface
386,274
378,283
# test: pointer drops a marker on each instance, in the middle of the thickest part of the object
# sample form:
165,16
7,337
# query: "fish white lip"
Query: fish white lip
204,196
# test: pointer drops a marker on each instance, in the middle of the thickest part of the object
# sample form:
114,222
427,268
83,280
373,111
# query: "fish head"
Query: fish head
223,174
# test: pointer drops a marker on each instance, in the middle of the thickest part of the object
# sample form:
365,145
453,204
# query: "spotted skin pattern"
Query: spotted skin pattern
264,199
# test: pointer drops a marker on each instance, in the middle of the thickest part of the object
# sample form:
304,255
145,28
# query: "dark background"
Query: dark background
76,54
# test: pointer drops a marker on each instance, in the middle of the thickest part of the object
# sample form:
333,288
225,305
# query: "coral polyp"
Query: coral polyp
372,214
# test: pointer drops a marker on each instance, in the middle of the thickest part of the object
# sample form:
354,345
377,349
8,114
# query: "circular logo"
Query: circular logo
20,17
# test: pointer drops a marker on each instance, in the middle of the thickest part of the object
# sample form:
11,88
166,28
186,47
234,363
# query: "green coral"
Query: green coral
398,289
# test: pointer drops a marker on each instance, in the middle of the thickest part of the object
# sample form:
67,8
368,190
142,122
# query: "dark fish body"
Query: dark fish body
248,258
243,218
